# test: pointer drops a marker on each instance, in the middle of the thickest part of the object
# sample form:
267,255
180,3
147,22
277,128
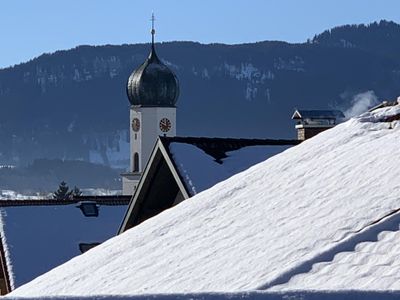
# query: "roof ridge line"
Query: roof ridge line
107,200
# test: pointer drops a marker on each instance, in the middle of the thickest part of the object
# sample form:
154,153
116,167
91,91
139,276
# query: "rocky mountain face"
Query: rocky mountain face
72,104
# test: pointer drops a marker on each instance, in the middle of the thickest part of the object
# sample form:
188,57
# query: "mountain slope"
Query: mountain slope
255,228
72,104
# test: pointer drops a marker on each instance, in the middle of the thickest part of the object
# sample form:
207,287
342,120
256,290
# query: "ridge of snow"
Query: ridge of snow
372,264
248,230
313,275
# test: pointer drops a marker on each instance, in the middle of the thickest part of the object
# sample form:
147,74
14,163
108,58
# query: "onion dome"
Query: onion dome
153,83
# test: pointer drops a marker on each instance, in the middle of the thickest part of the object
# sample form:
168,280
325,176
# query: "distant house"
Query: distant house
181,167
38,235
311,122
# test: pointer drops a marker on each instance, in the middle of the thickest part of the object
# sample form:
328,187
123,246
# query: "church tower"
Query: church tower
153,91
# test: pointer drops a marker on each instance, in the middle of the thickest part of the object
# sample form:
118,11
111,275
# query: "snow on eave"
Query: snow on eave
173,168
8,272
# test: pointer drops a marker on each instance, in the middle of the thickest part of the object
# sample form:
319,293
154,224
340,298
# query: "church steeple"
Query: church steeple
152,91
153,54
153,83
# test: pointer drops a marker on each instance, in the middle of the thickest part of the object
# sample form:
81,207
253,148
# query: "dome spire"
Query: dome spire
153,31
153,55
153,83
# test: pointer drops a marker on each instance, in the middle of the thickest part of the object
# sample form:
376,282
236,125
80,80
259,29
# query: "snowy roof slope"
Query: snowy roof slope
255,228
193,163
372,264
38,238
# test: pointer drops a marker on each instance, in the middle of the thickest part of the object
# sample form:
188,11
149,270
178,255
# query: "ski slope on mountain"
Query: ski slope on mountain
256,229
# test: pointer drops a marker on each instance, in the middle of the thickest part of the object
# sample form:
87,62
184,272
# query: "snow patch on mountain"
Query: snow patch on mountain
85,70
247,71
111,150
251,92
254,77
205,74
171,65
296,64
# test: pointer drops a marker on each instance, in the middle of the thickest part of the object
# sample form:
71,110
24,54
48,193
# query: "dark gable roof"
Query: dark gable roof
217,147
318,114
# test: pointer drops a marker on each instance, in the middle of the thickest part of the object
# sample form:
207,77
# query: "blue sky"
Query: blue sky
29,28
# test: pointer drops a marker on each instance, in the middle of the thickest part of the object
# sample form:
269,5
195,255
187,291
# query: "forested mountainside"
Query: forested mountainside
72,104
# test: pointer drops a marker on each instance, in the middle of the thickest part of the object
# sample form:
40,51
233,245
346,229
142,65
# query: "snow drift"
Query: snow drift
257,229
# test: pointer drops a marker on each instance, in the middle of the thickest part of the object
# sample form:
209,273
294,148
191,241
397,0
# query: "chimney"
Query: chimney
311,122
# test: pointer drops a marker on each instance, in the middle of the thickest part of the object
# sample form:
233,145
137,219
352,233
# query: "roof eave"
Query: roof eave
159,147
4,268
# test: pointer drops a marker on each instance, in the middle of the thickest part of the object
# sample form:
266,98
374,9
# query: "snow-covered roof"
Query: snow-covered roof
40,235
257,229
244,295
181,167
369,261
201,167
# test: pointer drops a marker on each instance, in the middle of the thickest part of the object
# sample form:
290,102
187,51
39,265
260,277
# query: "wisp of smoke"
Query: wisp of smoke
361,103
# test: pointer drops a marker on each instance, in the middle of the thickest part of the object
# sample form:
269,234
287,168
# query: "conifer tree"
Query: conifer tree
62,192
76,192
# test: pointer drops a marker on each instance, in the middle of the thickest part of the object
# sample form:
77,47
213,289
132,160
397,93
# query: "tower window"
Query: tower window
136,162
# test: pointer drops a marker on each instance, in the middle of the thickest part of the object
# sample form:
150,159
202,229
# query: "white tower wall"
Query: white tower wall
144,138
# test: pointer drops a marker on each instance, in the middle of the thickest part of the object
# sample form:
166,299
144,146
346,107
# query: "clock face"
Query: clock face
136,124
165,125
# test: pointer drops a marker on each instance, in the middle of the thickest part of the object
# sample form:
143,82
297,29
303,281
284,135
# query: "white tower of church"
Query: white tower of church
152,91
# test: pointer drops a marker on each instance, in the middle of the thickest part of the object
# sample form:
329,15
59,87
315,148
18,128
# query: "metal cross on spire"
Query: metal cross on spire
153,31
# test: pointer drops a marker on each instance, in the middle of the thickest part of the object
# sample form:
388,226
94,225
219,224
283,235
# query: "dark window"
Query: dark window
83,247
136,162
89,208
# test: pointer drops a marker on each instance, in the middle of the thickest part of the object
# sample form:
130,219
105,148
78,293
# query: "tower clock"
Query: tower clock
165,125
135,124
